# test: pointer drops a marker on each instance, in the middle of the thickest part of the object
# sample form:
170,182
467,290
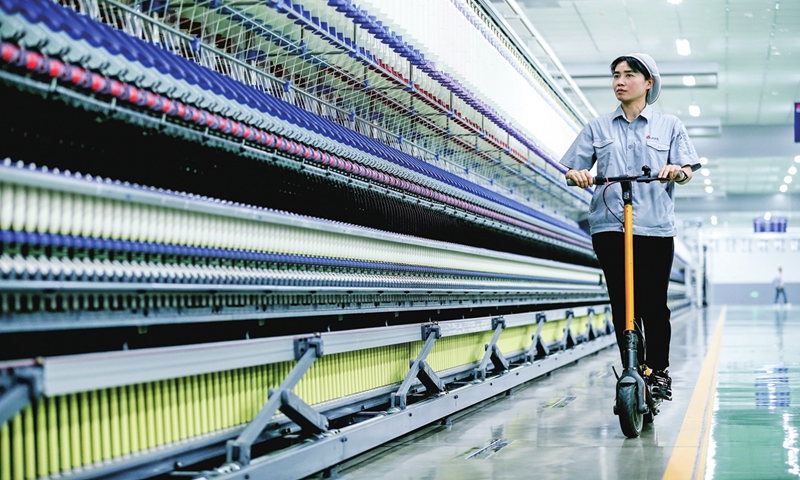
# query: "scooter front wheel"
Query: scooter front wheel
630,420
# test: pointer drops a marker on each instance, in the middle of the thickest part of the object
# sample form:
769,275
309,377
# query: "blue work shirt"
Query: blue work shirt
622,148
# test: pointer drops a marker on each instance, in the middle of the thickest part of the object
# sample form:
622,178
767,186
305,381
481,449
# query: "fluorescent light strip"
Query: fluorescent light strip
683,46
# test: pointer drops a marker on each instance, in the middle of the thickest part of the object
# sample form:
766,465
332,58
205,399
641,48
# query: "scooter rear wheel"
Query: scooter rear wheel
630,420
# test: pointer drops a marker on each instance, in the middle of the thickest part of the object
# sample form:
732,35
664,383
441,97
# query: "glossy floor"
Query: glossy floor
754,432
563,426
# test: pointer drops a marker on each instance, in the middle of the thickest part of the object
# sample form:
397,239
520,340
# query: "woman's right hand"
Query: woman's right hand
582,178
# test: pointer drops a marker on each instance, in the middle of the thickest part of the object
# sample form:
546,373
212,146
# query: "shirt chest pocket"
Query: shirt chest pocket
602,151
657,153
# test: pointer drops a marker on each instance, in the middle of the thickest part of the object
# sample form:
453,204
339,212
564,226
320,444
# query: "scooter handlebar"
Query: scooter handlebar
640,178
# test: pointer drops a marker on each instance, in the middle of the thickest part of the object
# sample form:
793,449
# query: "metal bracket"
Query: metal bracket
306,350
591,332
302,414
18,388
568,340
301,345
609,327
538,348
427,329
421,370
493,352
498,322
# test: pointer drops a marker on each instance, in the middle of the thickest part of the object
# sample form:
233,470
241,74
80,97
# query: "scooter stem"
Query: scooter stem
627,200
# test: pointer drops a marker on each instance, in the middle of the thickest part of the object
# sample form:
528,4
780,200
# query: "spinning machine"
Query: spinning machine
255,238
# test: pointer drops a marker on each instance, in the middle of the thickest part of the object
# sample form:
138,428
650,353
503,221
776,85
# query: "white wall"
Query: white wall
740,268
753,267
753,259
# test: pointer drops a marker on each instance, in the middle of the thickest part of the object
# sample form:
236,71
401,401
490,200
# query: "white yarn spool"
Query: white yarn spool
6,206
55,224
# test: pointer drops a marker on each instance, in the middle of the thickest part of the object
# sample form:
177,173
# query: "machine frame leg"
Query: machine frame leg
420,370
307,350
591,332
538,348
609,325
493,352
568,340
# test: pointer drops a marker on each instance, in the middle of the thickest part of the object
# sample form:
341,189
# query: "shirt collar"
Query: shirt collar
647,113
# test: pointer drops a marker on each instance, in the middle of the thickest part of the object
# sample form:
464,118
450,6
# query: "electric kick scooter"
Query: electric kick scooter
635,404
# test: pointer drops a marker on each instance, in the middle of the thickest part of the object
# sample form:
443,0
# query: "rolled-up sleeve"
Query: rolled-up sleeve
681,150
580,155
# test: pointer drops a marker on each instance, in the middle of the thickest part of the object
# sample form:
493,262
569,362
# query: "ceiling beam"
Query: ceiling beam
703,127
743,205
598,75
750,141
664,68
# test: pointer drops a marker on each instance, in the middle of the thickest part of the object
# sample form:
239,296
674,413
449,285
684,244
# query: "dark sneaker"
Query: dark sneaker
662,384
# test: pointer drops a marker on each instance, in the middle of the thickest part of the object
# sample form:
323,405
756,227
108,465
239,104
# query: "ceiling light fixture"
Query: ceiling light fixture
675,2
767,216
797,159
706,172
709,189
694,110
683,46
707,181
703,160
787,179
792,170
689,80
713,219
783,188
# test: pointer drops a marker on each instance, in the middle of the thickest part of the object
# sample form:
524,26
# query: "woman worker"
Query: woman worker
622,143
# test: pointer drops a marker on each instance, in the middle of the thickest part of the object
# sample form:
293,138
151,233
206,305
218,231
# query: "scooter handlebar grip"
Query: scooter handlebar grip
595,181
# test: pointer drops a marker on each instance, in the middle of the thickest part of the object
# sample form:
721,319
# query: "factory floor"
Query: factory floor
734,370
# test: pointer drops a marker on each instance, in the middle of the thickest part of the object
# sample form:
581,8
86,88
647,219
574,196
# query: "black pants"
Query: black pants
652,263
778,292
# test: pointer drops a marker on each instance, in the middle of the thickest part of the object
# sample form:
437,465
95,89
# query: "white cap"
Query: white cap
652,69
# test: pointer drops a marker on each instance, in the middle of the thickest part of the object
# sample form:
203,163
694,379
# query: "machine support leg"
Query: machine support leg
493,352
591,334
420,370
568,340
609,324
538,348
307,350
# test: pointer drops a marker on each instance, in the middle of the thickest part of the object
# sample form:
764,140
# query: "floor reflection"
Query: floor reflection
755,426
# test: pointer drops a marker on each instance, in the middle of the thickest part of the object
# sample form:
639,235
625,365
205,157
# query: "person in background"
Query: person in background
778,282
621,143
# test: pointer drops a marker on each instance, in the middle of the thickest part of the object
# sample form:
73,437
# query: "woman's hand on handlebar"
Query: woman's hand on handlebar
673,173
582,178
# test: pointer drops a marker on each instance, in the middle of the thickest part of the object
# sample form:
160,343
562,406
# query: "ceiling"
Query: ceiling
745,57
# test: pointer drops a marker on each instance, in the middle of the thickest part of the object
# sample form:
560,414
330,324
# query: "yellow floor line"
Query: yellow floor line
688,459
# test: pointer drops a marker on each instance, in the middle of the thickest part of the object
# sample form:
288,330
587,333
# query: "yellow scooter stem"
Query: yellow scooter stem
628,226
